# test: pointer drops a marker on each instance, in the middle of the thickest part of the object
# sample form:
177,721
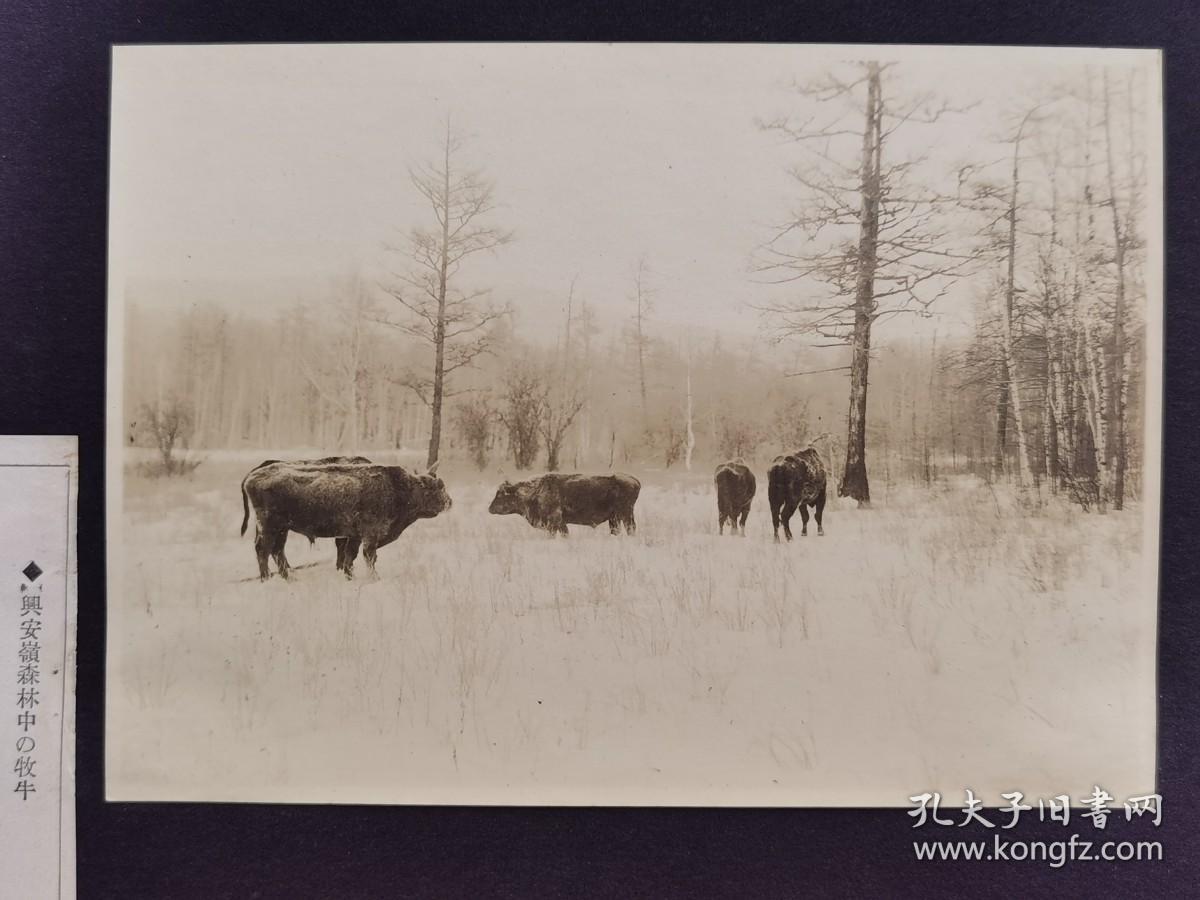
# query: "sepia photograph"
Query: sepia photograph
768,425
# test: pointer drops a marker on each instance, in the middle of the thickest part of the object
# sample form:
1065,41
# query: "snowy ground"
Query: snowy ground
944,639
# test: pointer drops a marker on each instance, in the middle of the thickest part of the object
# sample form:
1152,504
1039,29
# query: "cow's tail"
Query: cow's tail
245,507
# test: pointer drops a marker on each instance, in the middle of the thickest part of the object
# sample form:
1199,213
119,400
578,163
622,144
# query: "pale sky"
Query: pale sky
263,171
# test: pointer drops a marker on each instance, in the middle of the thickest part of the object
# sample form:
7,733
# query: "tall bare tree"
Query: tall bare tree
642,302
562,398
1011,383
877,241
1122,230
340,376
689,444
452,319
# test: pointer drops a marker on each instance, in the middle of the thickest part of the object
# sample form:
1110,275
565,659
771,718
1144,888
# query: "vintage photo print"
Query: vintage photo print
723,425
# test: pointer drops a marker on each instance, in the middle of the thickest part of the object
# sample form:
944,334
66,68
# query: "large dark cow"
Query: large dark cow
797,479
367,505
341,542
735,489
555,501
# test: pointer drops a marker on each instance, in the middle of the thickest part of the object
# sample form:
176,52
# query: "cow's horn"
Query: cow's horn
432,470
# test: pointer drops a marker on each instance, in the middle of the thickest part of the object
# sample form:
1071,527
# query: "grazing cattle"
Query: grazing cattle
555,501
735,489
341,542
797,479
367,505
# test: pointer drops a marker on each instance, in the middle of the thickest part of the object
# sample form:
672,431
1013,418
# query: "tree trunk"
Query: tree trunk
854,477
1093,366
1118,364
641,350
1010,291
1001,423
439,334
690,443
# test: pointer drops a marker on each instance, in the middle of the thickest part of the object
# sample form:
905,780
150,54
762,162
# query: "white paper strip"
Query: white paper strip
37,664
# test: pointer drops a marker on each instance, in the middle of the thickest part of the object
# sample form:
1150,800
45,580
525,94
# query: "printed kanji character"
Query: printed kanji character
971,808
1097,803
1015,806
29,651
927,807
1059,812
1140,806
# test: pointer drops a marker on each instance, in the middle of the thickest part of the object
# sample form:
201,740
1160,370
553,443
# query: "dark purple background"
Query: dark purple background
54,80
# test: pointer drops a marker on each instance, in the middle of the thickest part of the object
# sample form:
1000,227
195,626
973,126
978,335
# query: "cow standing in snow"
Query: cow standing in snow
797,479
366,505
554,501
735,490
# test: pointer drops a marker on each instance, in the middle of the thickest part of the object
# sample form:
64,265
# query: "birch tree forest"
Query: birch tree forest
918,317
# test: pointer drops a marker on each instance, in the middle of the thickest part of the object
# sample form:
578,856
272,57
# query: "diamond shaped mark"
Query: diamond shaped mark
32,571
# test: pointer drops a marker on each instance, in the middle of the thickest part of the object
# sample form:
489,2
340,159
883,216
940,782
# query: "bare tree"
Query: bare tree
559,410
473,418
689,441
340,377
168,423
521,414
1011,385
562,398
586,330
738,436
453,320
868,232
642,304
1122,236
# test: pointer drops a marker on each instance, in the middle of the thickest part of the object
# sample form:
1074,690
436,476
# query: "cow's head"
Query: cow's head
507,500
431,496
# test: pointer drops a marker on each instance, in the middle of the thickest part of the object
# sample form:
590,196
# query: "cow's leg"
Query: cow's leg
552,521
785,517
720,521
349,553
262,551
745,515
803,519
370,548
630,523
278,541
775,518
820,508
614,524
340,543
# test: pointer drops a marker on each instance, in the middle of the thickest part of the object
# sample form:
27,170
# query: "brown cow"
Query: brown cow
797,479
735,490
554,501
367,505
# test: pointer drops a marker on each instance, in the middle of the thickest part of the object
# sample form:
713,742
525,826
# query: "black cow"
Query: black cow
367,505
555,501
341,542
735,489
797,479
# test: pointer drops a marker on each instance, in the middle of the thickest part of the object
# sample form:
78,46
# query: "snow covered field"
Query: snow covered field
943,639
